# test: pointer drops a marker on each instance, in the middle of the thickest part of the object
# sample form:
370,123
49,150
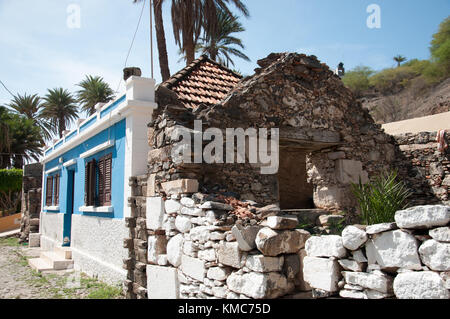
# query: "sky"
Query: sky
44,45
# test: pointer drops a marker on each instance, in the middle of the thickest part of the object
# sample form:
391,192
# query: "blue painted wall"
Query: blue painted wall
117,133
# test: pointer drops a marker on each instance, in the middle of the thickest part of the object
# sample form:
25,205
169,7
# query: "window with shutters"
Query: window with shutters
49,191
98,181
56,190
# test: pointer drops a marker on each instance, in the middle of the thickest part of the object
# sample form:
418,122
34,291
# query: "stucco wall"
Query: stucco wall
51,229
97,246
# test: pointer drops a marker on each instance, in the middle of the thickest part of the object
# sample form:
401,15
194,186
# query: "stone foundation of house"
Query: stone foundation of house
409,259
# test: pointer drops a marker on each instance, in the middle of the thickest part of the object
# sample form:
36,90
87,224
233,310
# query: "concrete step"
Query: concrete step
40,264
57,262
64,252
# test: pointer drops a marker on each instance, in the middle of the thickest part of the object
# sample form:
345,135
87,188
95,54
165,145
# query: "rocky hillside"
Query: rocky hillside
416,100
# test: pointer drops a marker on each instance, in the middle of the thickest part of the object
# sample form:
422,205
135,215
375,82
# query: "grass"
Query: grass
10,241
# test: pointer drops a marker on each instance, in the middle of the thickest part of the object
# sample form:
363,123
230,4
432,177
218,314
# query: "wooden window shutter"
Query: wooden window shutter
89,183
56,197
49,191
108,171
101,182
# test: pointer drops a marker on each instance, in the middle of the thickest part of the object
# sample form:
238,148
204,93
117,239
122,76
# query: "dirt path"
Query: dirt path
19,281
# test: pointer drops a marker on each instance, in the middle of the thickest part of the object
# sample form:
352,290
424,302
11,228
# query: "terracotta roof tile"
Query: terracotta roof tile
202,82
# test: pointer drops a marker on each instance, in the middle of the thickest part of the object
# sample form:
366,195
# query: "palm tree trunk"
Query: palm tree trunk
189,49
161,40
62,127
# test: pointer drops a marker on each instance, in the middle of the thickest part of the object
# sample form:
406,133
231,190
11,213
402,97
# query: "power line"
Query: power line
6,88
132,41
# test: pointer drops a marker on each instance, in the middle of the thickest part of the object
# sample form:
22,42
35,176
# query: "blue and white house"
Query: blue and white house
85,181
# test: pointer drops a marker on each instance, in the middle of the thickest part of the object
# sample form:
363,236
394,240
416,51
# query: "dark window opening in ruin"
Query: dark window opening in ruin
293,188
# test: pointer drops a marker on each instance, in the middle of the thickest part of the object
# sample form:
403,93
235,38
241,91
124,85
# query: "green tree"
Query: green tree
399,59
60,109
31,107
190,17
219,44
440,46
357,79
93,90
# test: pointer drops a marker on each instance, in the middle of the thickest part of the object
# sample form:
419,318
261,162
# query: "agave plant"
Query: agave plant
380,199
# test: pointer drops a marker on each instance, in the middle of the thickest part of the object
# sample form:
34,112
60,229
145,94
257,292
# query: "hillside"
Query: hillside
410,102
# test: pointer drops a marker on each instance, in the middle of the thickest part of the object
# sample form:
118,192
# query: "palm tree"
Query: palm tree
218,45
160,38
93,90
60,109
31,107
189,17
399,59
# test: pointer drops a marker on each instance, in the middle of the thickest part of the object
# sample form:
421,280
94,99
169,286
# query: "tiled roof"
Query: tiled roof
202,82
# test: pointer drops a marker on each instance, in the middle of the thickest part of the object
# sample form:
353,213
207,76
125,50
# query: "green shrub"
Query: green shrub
357,79
381,198
391,80
10,190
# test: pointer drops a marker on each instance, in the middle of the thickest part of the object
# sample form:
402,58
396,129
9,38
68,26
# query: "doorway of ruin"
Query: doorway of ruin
294,191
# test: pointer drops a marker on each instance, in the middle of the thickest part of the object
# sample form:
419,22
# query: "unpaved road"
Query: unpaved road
19,281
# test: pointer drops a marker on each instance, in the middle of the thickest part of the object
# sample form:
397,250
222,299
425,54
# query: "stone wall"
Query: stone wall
136,243
31,203
408,259
425,169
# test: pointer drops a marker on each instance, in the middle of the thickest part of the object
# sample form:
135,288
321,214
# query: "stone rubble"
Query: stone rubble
403,263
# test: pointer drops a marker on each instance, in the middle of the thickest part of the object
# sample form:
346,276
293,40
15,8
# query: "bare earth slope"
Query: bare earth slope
409,103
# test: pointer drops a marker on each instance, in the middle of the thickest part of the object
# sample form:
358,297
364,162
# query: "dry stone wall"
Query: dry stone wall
408,259
424,168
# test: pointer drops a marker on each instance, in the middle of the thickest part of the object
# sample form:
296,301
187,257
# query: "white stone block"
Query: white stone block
325,246
441,234
175,250
282,222
156,245
420,217
200,234
358,256
375,281
207,255
193,267
353,237
258,285
183,224
352,265
188,202
349,171
435,255
394,249
172,206
229,254
218,273
162,283
321,273
380,228
261,263
420,285
34,240
155,213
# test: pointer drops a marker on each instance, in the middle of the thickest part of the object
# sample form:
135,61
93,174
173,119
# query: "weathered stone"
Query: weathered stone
229,254
188,202
172,206
269,210
34,240
207,255
192,212
300,282
435,255
258,285
200,234
245,236
151,185
161,260
349,171
446,278
352,265
420,217
282,222
162,283
174,250
353,287
373,294
374,281
183,224
273,243
358,256
220,292
156,246
189,248
181,186
193,267
441,234
379,228
353,238
321,273
328,220
216,236
420,285
291,266
325,246
216,205
155,213
260,263
392,250
352,294
218,273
